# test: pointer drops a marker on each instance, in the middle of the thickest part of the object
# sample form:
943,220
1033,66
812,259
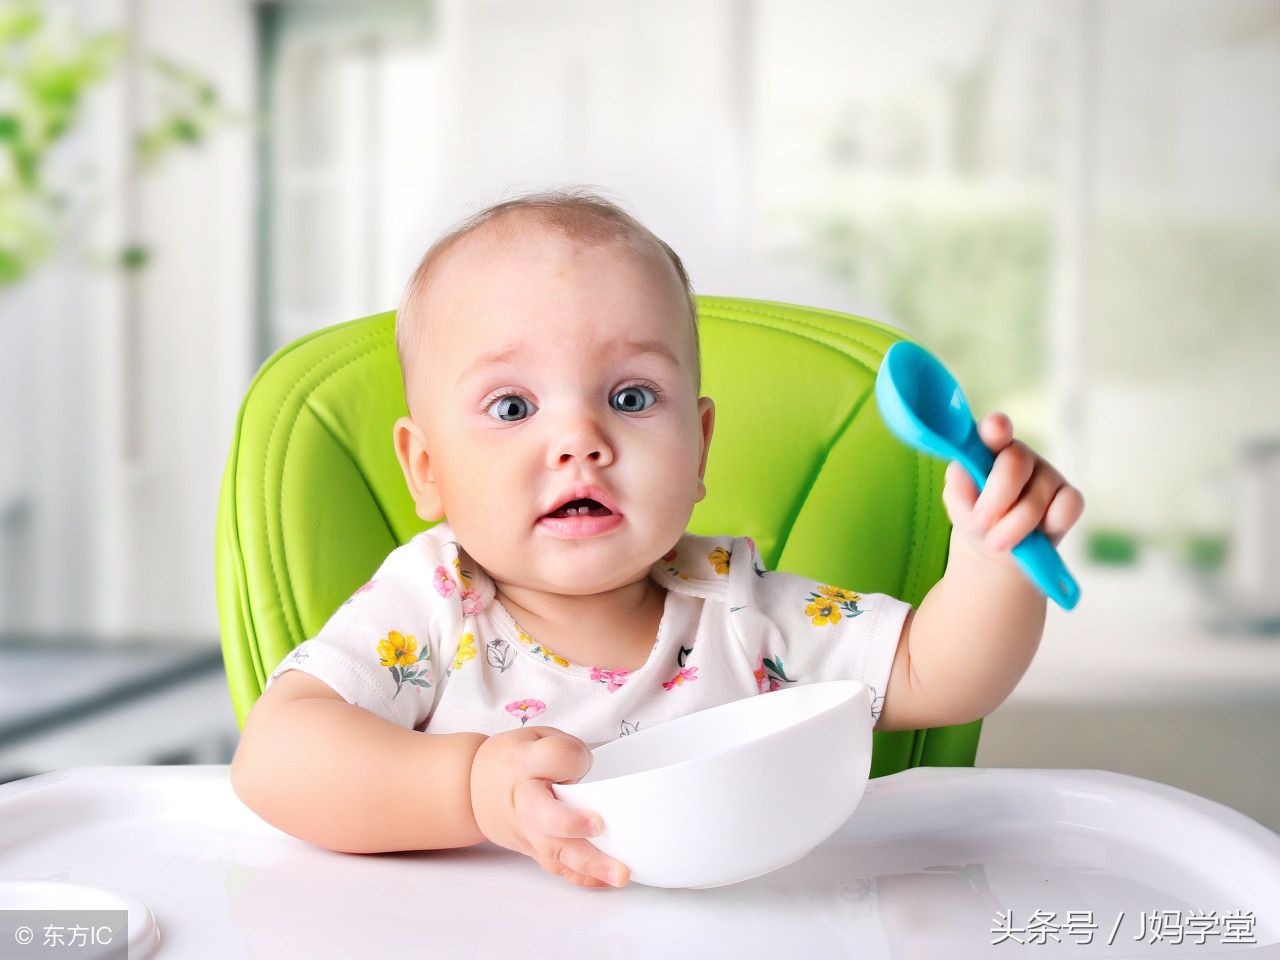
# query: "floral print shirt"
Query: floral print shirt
427,645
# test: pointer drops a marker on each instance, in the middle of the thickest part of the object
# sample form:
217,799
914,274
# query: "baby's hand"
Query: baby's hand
1023,492
514,807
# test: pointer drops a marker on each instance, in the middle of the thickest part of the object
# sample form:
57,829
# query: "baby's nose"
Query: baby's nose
593,455
597,452
583,440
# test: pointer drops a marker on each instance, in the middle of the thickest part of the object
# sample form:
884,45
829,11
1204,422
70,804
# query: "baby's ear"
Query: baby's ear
707,420
415,461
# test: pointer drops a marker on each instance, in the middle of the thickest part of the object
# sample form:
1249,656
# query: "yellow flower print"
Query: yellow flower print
719,559
463,578
827,604
838,594
539,649
397,650
822,612
466,650
398,654
550,657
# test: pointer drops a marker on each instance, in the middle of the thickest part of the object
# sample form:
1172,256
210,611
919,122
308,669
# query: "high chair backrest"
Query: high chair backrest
313,499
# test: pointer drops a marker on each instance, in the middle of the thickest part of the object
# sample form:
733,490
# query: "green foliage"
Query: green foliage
25,238
1207,552
134,257
1115,548
45,71
1175,294
190,112
47,67
973,286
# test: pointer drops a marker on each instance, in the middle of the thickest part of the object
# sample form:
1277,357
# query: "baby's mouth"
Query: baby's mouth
581,508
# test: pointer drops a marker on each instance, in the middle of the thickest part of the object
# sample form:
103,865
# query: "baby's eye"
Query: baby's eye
511,408
633,399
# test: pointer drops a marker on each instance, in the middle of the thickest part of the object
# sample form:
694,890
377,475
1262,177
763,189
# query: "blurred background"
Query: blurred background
1076,203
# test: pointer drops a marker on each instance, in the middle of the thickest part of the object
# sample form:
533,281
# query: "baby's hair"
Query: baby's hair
577,213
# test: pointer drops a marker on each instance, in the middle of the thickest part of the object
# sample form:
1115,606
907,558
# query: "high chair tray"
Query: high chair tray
935,862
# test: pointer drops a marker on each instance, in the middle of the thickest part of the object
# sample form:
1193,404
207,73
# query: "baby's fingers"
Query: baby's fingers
557,834
1048,502
960,492
1028,512
1009,481
555,756
579,862
996,431
1064,510
540,811
573,876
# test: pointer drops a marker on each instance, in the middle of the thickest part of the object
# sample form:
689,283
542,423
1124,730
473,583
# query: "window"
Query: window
347,158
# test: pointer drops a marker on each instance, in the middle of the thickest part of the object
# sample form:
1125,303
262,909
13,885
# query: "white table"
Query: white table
934,862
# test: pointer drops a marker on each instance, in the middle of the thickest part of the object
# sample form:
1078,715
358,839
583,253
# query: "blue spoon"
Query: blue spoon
923,405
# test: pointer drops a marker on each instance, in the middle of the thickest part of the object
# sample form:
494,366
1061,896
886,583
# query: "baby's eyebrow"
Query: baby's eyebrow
632,348
495,359
658,348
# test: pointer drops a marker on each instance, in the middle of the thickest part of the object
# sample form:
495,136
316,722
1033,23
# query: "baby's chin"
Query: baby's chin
570,582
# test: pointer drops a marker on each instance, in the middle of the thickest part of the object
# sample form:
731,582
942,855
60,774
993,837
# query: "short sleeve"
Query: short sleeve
386,648
802,631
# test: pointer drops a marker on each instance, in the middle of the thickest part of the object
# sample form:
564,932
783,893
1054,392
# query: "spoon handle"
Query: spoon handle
1043,564
1035,554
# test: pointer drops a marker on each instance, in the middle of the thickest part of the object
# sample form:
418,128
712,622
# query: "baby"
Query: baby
550,355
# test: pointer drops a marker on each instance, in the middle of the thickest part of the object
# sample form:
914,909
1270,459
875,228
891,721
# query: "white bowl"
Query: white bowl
733,792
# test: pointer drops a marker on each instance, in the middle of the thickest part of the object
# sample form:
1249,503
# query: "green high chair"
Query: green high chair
313,499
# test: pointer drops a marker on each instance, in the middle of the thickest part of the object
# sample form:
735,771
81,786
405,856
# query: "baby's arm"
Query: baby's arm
972,638
338,776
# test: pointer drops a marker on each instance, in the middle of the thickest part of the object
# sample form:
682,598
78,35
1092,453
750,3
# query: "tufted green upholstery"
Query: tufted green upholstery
313,499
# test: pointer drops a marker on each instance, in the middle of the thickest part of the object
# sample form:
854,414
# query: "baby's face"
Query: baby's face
563,432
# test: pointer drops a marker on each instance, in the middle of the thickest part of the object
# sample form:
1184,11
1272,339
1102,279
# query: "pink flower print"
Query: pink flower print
613,679
444,583
688,674
471,603
526,710
668,559
365,589
762,678
769,674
